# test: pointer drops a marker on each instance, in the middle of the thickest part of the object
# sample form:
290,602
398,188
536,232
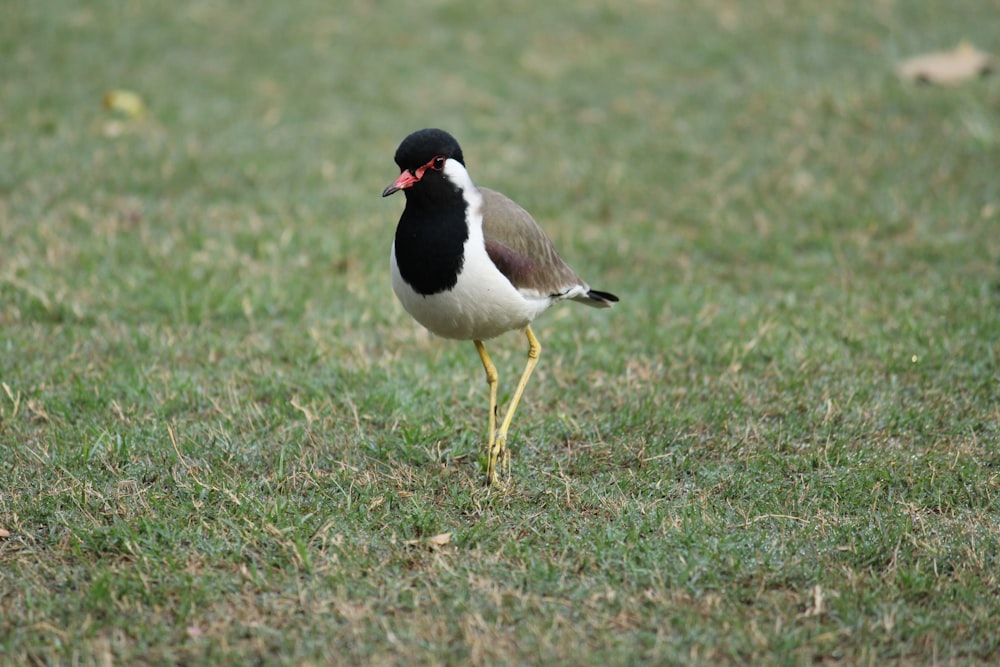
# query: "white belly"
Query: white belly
482,305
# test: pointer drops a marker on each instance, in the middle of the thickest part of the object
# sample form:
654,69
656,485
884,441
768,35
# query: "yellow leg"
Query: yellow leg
500,445
491,379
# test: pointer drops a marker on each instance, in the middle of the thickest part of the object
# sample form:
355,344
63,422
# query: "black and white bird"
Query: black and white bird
470,264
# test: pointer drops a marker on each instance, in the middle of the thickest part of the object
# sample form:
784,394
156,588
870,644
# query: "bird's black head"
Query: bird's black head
418,148
421,159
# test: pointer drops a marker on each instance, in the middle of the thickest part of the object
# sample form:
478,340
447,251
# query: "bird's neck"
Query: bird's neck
430,241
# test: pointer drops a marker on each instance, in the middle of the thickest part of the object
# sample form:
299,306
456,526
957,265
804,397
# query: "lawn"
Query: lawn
223,441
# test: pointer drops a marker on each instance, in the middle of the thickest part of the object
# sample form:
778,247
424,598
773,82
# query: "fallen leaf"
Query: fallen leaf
4,532
435,541
947,68
440,540
125,102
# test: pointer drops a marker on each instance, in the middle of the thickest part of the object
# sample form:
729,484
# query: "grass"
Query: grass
224,442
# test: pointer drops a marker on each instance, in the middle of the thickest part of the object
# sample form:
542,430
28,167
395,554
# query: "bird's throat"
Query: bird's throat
430,245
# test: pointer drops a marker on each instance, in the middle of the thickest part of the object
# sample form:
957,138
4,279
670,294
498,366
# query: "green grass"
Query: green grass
224,442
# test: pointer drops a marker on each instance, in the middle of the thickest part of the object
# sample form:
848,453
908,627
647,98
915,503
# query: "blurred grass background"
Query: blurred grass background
223,440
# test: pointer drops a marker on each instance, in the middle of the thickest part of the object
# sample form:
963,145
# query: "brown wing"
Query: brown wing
521,250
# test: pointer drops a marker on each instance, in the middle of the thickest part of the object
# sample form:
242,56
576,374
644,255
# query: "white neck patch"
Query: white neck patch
456,173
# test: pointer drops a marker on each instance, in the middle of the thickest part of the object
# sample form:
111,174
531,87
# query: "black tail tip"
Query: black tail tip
606,297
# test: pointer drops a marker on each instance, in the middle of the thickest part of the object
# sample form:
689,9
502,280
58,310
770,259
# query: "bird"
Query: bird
468,263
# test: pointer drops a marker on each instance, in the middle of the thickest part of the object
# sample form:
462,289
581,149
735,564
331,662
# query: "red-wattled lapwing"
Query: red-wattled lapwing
468,263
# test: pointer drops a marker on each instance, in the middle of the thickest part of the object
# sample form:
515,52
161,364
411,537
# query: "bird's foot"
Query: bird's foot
498,458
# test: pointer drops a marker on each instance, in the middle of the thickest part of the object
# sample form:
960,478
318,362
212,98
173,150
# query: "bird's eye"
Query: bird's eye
437,163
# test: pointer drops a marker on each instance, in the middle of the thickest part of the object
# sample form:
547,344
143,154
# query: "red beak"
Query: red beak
405,180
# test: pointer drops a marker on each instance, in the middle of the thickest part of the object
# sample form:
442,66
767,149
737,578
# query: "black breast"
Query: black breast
429,245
